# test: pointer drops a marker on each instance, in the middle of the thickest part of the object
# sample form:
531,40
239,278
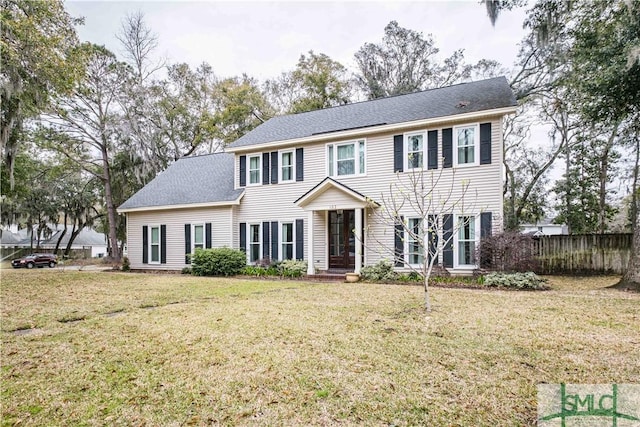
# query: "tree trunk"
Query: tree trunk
111,209
64,232
74,233
427,302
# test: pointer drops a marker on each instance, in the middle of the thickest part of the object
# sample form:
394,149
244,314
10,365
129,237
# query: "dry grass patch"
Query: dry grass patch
241,352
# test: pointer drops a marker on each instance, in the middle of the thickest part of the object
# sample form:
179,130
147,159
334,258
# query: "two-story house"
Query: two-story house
308,186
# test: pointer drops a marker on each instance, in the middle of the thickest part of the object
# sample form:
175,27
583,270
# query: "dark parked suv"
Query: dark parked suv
35,260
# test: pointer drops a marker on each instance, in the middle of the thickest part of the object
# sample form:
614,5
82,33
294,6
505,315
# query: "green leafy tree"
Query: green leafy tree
317,82
38,56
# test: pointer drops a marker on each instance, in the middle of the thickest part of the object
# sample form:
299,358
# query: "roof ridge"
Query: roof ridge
390,96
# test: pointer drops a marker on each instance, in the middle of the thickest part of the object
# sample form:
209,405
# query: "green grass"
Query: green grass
137,349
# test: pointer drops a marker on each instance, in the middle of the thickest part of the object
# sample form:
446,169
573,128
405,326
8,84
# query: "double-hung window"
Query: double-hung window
155,244
415,151
466,145
286,239
346,159
198,237
287,166
415,247
254,242
466,240
254,169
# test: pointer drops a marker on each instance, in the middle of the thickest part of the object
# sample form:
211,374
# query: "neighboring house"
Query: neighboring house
544,228
307,186
85,240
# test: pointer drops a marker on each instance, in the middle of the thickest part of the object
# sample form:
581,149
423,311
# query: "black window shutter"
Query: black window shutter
243,237
485,224
266,241
447,236
432,235
299,165
399,242
300,240
207,235
274,167
163,244
265,168
187,243
447,147
145,244
432,149
485,143
398,156
243,171
274,240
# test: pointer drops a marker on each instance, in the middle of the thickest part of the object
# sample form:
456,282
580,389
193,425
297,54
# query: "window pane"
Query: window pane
255,234
361,149
197,234
254,162
155,235
466,136
287,233
287,251
286,159
415,143
346,167
254,177
331,160
345,152
255,252
155,253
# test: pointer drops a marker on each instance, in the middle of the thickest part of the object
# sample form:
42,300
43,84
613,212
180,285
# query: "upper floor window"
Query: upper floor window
415,151
286,166
466,143
346,159
254,169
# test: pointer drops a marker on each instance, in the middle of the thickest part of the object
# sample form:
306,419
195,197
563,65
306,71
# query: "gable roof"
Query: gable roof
201,180
327,184
447,101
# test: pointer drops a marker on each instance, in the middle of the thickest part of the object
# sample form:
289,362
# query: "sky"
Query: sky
263,39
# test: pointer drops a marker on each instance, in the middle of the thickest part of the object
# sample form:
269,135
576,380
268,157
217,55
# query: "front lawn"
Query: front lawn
140,349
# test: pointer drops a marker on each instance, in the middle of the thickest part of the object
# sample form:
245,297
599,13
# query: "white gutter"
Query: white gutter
183,206
372,130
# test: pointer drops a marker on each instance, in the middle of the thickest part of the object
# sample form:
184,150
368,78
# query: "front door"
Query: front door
342,248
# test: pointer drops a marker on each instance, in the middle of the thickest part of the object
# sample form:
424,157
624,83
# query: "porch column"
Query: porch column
310,267
358,240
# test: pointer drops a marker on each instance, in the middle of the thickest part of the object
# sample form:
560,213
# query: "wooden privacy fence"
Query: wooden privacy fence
584,253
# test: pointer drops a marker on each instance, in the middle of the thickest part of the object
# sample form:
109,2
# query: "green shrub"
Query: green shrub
527,280
380,272
126,265
186,270
292,268
218,262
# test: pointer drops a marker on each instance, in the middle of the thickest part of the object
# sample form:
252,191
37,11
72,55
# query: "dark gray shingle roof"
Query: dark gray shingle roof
447,101
201,179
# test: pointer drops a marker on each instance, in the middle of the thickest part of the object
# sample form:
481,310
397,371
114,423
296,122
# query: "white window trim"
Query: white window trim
249,156
456,230
356,144
281,240
151,227
476,145
250,242
406,150
293,166
193,237
407,255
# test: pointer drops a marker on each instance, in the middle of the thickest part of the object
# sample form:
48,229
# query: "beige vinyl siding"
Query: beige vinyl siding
175,219
275,202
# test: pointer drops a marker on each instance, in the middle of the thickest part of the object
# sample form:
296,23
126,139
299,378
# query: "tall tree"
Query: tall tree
317,82
37,49
404,62
86,126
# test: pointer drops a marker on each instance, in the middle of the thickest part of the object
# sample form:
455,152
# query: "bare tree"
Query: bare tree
426,209
139,44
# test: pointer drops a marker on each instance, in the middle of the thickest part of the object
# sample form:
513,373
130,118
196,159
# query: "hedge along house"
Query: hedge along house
307,186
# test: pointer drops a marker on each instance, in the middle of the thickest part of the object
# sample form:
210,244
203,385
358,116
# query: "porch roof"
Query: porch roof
330,194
